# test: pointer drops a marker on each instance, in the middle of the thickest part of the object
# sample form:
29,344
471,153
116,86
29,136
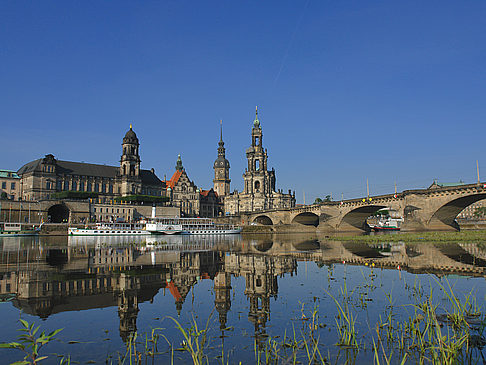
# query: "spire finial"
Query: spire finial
256,122
130,125
221,127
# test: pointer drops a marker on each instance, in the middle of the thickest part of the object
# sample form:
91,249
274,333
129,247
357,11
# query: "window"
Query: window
4,185
81,186
88,186
66,185
110,189
74,186
59,185
12,186
48,185
97,187
103,188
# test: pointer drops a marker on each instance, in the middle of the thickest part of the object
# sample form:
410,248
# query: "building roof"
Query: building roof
86,169
9,173
174,179
89,169
206,192
149,178
29,166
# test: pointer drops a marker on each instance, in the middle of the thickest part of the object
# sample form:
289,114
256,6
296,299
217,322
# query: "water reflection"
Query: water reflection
43,276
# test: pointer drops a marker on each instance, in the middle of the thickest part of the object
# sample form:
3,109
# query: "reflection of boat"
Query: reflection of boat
160,242
387,224
109,229
186,226
15,229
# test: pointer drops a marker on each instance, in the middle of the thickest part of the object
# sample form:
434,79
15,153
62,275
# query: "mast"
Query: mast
367,188
477,168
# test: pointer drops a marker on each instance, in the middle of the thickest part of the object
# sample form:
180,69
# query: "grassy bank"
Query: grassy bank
463,236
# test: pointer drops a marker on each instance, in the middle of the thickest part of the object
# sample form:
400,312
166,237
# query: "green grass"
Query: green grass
463,236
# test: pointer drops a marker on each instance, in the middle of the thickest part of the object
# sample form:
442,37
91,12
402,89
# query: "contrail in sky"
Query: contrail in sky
290,43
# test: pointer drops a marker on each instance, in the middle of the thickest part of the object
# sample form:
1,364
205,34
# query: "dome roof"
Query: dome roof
130,136
221,162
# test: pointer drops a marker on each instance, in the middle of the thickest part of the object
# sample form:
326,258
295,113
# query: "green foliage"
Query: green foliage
326,199
480,212
29,343
142,199
3,196
74,195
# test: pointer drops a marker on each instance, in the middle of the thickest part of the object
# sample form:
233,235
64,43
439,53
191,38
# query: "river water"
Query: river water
252,293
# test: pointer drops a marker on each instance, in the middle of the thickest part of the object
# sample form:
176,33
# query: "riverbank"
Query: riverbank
465,236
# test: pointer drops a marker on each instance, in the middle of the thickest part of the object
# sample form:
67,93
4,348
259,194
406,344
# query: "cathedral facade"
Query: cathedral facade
259,182
41,178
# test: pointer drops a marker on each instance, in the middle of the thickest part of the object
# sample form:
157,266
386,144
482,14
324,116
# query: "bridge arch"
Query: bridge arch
264,220
58,213
448,212
306,219
356,218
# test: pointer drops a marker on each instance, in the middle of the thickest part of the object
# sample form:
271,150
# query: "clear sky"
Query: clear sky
347,90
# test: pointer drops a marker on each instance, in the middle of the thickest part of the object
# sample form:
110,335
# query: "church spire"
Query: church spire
221,136
256,122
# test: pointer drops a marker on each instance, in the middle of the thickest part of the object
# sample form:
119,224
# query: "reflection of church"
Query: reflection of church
77,279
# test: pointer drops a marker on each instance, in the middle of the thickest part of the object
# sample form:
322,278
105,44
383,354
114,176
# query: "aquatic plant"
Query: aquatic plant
29,343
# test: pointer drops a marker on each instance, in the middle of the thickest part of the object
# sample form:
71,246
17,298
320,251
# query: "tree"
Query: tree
327,198
317,201
480,212
3,196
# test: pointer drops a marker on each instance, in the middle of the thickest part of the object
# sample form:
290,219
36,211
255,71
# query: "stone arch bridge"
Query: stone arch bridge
422,209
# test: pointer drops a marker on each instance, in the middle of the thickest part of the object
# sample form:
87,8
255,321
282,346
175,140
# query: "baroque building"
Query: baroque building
45,176
259,183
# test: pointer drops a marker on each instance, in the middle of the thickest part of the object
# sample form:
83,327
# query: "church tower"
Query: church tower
130,164
221,169
257,179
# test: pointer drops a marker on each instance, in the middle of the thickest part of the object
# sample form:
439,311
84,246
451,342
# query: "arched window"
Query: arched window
257,165
257,185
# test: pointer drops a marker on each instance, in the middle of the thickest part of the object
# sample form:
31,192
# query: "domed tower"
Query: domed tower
130,164
221,169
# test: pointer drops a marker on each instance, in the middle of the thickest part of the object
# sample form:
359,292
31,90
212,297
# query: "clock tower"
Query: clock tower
221,169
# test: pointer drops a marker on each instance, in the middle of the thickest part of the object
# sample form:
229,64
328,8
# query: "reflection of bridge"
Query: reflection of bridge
425,209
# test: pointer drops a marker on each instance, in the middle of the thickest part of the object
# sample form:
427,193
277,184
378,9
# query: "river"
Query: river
255,297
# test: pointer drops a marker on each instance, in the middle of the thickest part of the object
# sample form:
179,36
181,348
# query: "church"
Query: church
259,183
41,178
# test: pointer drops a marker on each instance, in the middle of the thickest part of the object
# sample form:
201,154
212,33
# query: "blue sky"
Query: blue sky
346,90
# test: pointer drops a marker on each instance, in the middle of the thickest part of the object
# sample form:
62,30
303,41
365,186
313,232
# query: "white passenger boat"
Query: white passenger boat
207,226
164,226
191,226
110,229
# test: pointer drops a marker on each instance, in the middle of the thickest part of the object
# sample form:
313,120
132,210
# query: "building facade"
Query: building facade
41,178
9,185
192,201
183,193
259,182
